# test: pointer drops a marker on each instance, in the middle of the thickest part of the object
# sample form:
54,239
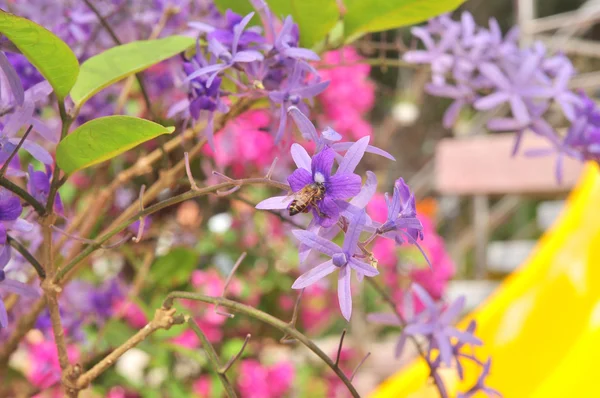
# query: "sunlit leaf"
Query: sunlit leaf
104,138
50,55
117,63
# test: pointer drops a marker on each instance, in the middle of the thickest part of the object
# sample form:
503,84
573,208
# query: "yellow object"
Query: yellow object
542,326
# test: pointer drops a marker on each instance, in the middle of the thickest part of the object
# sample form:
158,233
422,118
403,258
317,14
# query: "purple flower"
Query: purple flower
286,42
39,187
8,285
341,258
228,58
227,35
294,93
480,386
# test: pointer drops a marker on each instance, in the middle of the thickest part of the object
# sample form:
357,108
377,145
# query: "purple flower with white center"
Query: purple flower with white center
228,58
342,258
328,137
343,184
39,187
480,386
295,92
8,285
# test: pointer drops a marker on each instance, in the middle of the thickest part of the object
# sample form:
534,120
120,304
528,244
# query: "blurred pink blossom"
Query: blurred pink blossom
132,313
202,387
350,94
242,143
258,381
44,369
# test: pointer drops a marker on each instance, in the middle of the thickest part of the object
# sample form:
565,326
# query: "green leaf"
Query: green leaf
315,19
242,7
104,138
175,267
363,16
119,62
50,55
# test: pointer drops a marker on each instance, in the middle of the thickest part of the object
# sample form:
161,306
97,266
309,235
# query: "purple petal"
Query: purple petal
444,347
201,26
275,203
463,337
494,73
47,133
344,292
322,162
301,157
13,79
10,208
343,186
299,179
353,232
238,29
505,124
491,101
343,146
315,274
5,254
204,71
310,90
366,192
331,135
316,242
418,57
423,296
400,345
307,129
384,318
247,56
35,150
23,289
300,53
452,113
416,329
3,315
363,268
282,123
453,311
353,156
16,120
519,109
330,209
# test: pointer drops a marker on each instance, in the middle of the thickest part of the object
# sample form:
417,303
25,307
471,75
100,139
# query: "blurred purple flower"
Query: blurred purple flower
39,187
480,386
341,258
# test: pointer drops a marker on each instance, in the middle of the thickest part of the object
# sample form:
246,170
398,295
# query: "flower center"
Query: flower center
319,177
339,259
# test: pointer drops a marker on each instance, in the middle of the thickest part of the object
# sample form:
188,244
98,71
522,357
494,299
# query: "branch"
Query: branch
268,319
212,356
159,206
28,256
163,319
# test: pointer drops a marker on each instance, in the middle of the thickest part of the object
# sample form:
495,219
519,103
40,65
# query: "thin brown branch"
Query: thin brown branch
339,350
234,358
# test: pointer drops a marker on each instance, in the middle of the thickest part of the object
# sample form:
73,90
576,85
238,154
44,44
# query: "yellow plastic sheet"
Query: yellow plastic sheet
542,325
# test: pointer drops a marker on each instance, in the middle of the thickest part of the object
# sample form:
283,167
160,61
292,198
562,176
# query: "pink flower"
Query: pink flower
258,381
44,368
202,387
242,143
316,310
132,313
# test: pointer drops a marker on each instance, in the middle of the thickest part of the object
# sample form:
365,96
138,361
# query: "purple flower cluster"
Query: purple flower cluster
333,213
257,64
481,68
446,344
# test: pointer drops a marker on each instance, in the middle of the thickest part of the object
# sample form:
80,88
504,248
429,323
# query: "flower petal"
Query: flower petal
315,274
316,242
275,203
23,289
384,318
353,232
13,79
322,162
300,53
307,129
423,296
366,192
301,157
353,156
299,179
3,315
364,268
35,150
344,292
343,185
330,209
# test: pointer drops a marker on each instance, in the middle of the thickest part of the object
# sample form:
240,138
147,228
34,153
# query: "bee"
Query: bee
307,197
